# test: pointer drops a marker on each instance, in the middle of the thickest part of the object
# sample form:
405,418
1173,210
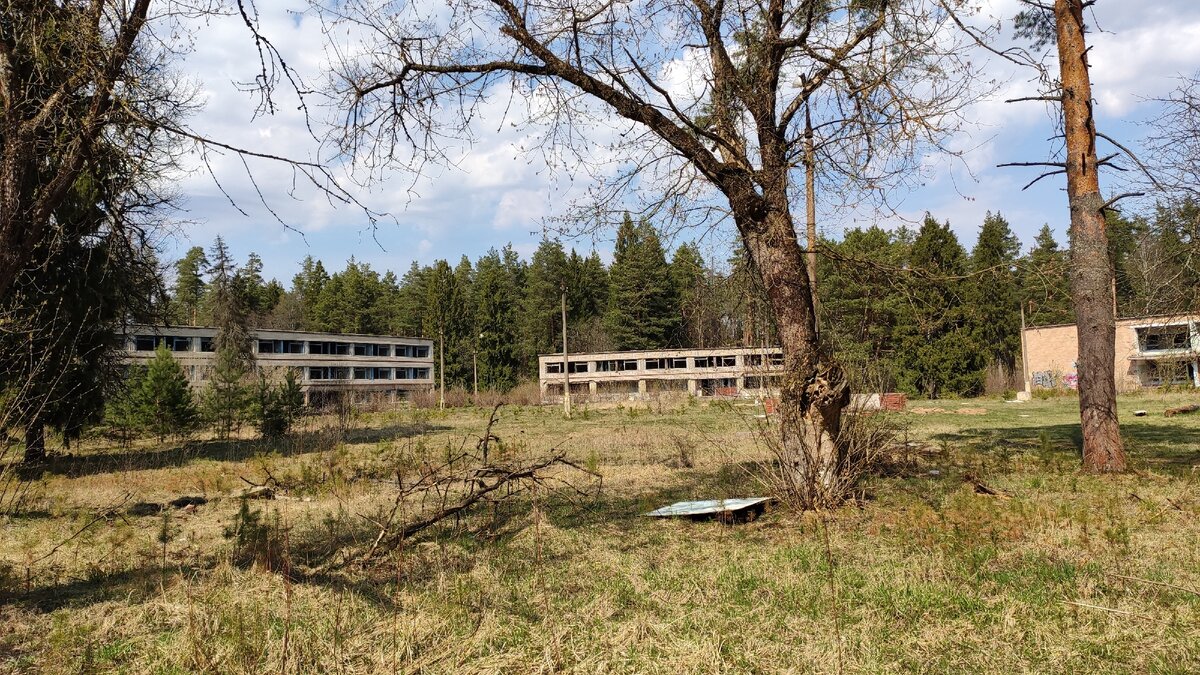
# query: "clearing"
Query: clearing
1056,572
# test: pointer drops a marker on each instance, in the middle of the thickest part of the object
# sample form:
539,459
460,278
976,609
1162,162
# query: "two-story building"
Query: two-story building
1151,352
379,366
730,371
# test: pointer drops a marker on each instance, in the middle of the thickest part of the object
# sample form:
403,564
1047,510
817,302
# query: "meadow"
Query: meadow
977,546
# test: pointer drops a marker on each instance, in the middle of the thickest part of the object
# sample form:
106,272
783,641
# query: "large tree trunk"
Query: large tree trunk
35,442
814,390
1091,270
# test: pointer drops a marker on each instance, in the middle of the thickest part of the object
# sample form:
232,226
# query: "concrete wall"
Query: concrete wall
1052,353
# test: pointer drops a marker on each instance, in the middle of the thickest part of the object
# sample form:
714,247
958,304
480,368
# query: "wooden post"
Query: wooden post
1024,357
442,369
566,367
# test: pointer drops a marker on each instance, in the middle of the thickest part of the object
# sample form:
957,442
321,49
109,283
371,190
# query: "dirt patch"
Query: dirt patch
926,411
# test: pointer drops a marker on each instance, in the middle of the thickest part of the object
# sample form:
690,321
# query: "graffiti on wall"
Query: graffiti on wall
1053,379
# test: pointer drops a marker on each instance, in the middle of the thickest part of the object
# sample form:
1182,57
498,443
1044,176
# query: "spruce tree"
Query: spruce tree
643,309
495,301
690,282
994,292
937,351
165,402
227,397
541,325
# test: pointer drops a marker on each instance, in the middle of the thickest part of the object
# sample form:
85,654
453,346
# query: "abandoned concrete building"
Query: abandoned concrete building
733,371
1152,351
366,366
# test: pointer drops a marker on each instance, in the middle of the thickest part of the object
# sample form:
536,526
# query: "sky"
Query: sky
498,192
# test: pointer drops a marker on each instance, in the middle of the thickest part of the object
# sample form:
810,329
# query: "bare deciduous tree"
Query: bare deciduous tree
883,76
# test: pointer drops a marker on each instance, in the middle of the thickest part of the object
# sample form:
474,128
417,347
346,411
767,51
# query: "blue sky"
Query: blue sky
499,192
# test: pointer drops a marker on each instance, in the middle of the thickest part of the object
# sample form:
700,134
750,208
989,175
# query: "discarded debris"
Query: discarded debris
732,510
185,501
982,488
1139,413
256,492
1182,410
144,509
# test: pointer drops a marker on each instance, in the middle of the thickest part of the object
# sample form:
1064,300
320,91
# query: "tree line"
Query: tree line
907,309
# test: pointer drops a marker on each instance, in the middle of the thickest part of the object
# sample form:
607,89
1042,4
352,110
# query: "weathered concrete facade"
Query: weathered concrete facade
379,365
733,371
1151,352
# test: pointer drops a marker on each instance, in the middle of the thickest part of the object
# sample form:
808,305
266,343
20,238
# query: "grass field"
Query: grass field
1061,572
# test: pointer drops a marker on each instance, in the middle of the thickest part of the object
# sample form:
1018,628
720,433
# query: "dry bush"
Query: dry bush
866,443
526,393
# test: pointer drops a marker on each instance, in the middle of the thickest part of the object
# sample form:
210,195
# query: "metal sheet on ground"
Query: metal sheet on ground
706,507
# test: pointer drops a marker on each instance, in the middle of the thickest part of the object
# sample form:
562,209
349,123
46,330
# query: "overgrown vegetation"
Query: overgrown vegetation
978,546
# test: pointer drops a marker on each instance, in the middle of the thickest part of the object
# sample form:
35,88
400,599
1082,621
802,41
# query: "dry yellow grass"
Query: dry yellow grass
1063,572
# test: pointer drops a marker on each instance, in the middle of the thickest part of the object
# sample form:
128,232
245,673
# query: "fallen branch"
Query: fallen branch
1164,584
1107,609
1181,410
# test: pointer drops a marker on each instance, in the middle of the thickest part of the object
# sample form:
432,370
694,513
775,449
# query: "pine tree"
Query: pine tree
937,352
276,405
306,286
994,291
165,404
643,309
188,296
587,300
226,399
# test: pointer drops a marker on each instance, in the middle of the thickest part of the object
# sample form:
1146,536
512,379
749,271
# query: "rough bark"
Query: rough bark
1091,270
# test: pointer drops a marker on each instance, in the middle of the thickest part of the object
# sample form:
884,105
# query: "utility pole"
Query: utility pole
566,367
475,365
810,204
442,369
1024,358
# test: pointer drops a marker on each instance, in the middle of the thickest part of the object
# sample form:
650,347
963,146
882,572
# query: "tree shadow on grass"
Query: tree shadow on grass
231,450
1160,446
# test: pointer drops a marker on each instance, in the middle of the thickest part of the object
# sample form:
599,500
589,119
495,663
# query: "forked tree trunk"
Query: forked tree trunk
814,390
1091,270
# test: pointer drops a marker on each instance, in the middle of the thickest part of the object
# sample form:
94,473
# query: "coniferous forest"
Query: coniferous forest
908,308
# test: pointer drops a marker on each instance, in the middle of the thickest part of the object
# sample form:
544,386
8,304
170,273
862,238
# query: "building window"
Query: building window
577,367
725,361
361,373
704,362
554,367
420,352
364,350
144,343
678,363
383,350
316,373
656,364
1164,338
206,345
420,373
382,374
776,359
266,346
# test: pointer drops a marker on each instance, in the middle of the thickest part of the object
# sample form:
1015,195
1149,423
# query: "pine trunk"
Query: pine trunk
1091,270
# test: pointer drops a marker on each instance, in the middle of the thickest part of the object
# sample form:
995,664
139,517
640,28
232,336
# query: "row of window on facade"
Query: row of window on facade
344,373
1164,338
148,343
337,373
666,363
